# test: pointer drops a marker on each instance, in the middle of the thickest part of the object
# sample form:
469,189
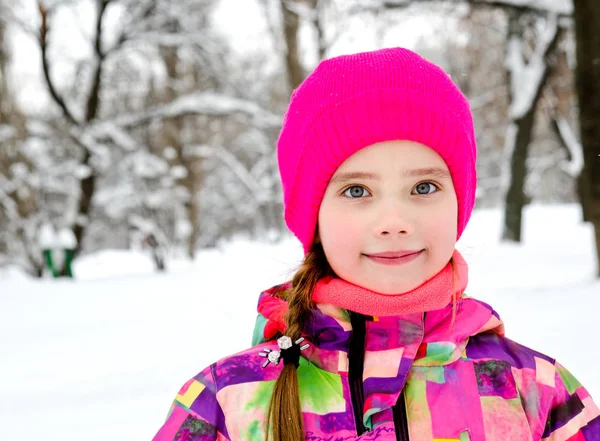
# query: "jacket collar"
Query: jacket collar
393,345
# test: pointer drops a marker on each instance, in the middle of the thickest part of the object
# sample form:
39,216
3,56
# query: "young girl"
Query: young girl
374,338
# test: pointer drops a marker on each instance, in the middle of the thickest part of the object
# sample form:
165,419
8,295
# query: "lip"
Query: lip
394,257
393,254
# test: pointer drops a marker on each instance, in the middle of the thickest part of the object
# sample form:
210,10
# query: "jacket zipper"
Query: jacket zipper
400,419
356,358
400,416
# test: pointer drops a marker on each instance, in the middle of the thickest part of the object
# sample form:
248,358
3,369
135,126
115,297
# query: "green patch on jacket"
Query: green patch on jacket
320,391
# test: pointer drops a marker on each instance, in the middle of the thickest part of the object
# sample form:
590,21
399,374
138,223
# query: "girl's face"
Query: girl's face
388,219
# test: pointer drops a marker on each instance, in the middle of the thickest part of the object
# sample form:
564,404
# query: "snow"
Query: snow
246,30
19,170
82,171
170,153
102,357
179,172
204,103
525,78
260,194
6,132
563,7
66,238
114,132
147,165
575,165
47,236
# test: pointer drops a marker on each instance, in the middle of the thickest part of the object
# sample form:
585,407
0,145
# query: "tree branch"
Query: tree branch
563,8
574,164
528,79
203,103
558,7
145,10
93,98
43,38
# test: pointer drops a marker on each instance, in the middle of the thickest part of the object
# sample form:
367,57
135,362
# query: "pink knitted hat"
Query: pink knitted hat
353,101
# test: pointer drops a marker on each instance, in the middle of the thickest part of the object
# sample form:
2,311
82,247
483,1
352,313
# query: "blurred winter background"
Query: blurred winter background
140,209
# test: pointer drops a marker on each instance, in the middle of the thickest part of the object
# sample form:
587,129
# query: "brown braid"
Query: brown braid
284,417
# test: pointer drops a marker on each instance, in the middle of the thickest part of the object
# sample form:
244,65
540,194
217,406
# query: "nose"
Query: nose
393,219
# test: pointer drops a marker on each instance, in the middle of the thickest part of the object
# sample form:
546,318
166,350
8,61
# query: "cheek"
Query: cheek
336,229
442,226
440,222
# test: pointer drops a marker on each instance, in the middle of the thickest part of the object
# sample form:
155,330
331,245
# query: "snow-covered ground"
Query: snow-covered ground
101,358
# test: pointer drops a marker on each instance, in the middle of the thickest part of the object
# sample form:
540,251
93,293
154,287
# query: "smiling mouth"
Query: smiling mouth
394,257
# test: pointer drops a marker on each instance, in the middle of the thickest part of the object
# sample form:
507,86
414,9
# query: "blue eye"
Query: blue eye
425,188
356,192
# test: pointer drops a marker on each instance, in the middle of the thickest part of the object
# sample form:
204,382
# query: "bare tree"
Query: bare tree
292,14
291,22
99,121
587,31
19,216
527,80
91,104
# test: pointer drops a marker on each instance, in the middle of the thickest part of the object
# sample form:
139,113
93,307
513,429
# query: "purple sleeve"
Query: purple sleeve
195,414
573,414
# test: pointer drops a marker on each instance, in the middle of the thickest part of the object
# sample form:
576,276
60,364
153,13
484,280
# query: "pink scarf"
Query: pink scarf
434,294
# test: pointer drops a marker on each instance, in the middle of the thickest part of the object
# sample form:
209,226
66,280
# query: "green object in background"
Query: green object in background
58,250
50,262
65,269
69,255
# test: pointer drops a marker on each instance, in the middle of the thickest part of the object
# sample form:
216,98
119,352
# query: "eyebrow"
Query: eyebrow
412,173
350,176
428,171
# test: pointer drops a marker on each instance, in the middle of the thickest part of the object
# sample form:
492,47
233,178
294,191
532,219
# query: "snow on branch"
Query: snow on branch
170,39
547,37
260,194
526,77
204,103
254,188
377,5
301,10
560,7
107,129
575,165
10,207
6,132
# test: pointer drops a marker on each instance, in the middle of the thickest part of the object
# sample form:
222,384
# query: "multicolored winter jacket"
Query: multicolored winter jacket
424,377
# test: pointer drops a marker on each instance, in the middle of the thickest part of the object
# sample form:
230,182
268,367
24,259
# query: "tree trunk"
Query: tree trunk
87,189
515,196
87,185
318,6
291,22
587,79
173,136
192,210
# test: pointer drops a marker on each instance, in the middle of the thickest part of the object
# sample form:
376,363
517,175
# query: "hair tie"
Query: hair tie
288,351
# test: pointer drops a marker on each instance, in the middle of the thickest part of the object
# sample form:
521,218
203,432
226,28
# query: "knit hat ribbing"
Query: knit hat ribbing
353,101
